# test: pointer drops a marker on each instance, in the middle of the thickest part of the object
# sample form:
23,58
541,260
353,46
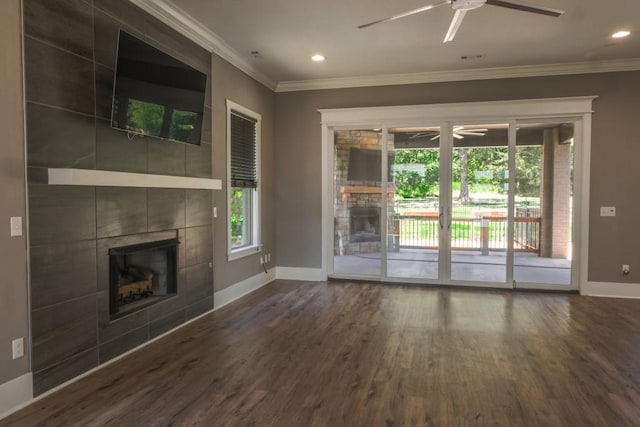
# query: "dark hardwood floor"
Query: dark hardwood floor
343,354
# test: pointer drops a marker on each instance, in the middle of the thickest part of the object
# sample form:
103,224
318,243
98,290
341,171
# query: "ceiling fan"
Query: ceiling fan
462,6
459,132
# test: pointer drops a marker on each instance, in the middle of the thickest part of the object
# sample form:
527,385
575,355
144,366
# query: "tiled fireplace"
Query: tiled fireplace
72,228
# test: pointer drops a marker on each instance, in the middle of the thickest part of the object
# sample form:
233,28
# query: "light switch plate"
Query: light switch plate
17,348
16,226
607,211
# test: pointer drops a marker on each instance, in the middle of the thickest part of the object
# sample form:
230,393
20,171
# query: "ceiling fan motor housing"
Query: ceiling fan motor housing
467,4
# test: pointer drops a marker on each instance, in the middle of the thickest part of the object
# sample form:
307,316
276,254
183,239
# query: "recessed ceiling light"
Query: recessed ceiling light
620,34
317,57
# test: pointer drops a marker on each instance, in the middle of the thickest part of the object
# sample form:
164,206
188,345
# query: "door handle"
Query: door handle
440,220
450,217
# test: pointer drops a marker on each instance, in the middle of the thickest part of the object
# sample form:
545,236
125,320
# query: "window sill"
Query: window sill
244,252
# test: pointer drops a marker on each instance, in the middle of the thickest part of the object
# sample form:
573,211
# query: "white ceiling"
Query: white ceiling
288,32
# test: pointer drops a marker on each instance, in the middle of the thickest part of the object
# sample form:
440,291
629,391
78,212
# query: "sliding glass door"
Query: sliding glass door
414,215
544,205
479,203
473,203
403,212
358,202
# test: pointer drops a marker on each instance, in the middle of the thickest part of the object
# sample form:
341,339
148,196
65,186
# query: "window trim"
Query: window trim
256,245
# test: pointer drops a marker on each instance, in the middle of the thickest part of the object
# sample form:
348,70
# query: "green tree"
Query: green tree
417,173
529,171
237,215
145,117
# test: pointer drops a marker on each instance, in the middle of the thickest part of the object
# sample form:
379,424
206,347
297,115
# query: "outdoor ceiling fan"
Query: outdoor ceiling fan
462,6
459,132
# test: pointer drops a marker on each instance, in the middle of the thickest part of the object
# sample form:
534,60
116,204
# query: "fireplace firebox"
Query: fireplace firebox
364,224
141,275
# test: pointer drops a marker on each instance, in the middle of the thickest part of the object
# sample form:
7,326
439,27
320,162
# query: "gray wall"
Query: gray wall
614,167
230,83
13,284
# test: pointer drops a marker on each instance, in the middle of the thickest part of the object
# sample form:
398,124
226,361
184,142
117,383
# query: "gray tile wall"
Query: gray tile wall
70,52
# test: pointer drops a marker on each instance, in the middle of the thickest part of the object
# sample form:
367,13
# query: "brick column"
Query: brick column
555,238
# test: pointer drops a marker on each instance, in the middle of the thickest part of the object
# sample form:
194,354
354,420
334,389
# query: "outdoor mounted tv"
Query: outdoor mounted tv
155,94
366,165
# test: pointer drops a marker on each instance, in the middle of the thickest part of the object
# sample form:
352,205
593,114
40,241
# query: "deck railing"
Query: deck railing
482,233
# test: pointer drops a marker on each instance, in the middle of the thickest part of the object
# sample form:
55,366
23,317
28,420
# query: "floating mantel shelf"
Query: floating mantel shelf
100,178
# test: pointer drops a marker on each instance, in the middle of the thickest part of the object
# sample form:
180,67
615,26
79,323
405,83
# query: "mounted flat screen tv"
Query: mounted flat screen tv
366,165
155,94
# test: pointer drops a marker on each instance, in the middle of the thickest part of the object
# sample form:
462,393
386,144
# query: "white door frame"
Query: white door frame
578,109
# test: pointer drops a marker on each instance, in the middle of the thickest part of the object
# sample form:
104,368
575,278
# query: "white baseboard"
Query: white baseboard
611,290
16,394
240,289
294,273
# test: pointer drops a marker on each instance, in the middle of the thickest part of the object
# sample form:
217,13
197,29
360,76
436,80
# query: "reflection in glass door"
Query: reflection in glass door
413,236
543,223
457,220
479,213
357,202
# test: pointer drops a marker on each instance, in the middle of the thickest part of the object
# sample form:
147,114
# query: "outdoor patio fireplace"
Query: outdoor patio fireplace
141,275
364,224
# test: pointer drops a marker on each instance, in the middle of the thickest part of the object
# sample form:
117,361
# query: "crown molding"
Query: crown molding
462,75
186,25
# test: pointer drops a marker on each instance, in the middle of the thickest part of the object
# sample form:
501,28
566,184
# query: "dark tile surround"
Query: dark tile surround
70,51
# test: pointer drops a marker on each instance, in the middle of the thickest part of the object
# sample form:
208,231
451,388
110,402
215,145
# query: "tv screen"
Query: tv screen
366,165
156,94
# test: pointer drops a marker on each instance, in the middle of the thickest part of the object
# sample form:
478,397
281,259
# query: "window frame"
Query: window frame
255,245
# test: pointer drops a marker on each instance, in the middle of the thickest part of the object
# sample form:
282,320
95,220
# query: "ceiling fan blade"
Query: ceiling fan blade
463,131
456,136
420,135
455,24
471,133
517,5
403,14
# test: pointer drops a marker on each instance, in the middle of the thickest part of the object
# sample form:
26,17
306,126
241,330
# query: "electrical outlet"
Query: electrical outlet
16,226
607,211
215,212
625,269
17,347
269,257
261,259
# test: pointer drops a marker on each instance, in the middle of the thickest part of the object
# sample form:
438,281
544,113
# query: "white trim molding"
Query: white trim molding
240,289
408,115
16,394
462,75
577,110
178,19
188,26
255,229
611,290
305,274
100,178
